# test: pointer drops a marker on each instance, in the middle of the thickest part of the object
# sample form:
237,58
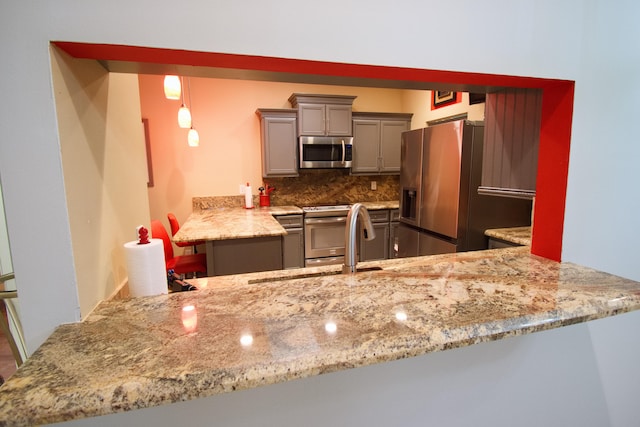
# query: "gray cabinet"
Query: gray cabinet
293,241
279,142
236,256
376,142
323,115
377,248
511,140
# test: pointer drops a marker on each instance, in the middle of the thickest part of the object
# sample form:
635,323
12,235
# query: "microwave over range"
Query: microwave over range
326,152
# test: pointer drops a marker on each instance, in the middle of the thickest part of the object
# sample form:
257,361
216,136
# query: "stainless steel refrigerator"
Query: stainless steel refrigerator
440,208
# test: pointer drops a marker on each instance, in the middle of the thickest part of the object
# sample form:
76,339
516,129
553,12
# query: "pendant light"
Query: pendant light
172,87
193,138
184,115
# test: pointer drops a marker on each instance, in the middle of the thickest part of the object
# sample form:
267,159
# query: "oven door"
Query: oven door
324,237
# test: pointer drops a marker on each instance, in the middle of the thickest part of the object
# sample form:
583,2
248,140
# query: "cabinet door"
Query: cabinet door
293,248
311,119
377,248
366,140
237,256
279,147
390,137
338,120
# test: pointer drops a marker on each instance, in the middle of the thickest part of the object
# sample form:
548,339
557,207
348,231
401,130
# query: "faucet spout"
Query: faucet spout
356,211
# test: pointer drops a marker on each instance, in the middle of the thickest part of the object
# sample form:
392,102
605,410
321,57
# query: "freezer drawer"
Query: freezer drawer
408,239
413,242
431,245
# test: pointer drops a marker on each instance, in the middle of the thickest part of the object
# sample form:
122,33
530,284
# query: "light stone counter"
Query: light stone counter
233,223
381,205
257,329
517,235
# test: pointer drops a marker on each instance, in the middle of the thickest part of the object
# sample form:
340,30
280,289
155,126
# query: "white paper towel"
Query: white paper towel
146,268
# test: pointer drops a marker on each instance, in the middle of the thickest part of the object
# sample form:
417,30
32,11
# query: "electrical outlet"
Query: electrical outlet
374,185
243,188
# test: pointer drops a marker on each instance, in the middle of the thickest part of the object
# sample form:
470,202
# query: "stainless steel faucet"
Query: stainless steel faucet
350,235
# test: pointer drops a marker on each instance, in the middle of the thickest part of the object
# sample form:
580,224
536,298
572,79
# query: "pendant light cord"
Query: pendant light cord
190,106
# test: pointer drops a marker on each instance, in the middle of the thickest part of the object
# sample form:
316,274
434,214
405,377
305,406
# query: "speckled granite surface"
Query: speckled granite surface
212,220
381,205
517,235
233,223
245,331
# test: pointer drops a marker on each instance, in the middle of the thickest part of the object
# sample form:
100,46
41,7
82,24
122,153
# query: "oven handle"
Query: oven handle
343,151
326,220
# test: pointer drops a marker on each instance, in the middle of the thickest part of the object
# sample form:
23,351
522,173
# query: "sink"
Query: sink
303,275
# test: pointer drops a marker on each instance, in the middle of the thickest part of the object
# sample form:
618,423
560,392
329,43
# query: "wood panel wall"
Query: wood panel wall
511,141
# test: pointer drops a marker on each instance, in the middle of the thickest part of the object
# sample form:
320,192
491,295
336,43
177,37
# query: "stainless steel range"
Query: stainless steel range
324,234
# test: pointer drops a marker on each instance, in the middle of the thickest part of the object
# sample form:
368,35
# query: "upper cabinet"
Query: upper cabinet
511,141
279,142
376,142
323,115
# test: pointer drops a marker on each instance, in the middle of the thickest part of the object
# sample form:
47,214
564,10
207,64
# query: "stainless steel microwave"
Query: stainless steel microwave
326,152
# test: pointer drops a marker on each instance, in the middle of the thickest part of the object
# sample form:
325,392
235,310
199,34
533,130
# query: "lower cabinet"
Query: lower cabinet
293,241
378,248
236,256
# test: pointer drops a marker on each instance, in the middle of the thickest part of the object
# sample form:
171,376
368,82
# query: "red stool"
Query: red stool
181,264
175,226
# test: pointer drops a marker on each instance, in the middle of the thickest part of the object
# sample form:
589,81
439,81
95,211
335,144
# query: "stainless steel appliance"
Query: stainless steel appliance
325,152
324,234
440,208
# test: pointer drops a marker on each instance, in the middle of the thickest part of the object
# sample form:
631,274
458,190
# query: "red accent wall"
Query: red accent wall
557,111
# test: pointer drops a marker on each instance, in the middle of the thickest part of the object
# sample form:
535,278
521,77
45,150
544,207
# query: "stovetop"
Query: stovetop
324,210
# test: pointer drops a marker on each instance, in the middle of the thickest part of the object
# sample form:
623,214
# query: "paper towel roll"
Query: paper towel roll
146,267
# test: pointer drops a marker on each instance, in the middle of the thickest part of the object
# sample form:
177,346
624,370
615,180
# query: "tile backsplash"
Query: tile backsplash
333,186
316,187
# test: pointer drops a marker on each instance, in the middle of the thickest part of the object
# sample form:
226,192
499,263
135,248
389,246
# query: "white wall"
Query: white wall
593,42
604,178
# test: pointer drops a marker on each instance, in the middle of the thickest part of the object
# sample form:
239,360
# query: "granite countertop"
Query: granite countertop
220,223
381,205
517,235
251,330
233,223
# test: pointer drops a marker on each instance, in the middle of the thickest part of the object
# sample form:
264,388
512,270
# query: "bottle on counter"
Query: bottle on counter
248,197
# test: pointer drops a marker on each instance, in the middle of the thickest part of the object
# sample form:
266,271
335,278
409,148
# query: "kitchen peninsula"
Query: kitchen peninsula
242,240
246,331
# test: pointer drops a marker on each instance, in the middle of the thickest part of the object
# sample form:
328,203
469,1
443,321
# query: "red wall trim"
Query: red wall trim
557,110
553,166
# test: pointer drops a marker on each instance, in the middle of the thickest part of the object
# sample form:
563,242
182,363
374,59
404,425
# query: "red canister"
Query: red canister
265,200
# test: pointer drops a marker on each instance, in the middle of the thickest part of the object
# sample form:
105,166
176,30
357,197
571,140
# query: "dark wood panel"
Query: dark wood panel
511,139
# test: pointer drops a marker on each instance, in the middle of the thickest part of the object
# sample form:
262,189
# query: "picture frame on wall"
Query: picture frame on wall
147,144
441,98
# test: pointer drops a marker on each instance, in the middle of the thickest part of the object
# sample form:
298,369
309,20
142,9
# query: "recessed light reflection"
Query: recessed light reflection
189,318
330,327
246,340
401,316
